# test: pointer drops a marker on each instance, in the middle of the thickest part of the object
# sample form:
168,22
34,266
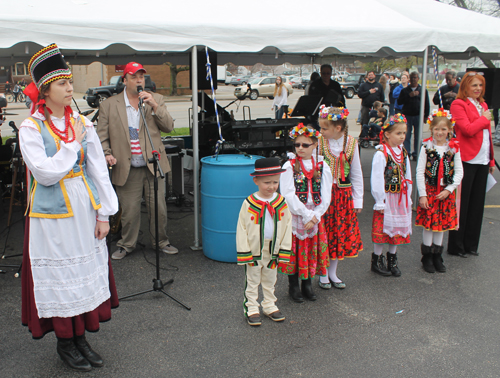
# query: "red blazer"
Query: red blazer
469,128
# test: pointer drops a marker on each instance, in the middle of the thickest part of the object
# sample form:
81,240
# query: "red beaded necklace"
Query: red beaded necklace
397,159
63,135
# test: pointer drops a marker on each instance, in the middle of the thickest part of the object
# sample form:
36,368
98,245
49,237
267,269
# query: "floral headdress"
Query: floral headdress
301,130
392,120
333,114
441,113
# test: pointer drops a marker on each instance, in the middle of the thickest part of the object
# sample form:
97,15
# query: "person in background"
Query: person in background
314,76
411,97
393,84
329,89
280,98
385,86
448,91
369,92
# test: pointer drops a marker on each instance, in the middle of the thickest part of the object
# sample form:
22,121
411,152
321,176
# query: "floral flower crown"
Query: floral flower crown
301,130
333,114
392,120
441,113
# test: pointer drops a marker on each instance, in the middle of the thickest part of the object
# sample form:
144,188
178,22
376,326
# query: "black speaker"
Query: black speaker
492,93
203,81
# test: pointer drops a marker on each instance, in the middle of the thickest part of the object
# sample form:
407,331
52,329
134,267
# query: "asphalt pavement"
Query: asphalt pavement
418,325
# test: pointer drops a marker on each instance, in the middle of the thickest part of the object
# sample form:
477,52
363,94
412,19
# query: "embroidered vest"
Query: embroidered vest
394,174
53,201
343,181
432,166
302,185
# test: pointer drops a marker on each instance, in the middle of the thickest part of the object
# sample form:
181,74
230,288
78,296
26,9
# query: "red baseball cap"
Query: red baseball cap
132,68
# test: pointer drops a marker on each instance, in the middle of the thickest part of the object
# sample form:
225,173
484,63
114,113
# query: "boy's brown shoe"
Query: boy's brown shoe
276,316
254,320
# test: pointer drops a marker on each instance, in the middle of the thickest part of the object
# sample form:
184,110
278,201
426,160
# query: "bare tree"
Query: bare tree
174,70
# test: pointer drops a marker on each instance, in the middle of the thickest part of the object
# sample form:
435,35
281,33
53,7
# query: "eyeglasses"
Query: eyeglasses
474,73
304,145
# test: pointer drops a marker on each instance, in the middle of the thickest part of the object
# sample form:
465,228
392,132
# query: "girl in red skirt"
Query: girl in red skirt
341,153
439,172
306,185
391,189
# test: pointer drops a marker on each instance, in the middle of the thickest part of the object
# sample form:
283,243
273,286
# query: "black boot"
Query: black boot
427,258
71,356
293,288
378,265
85,349
392,264
307,290
437,258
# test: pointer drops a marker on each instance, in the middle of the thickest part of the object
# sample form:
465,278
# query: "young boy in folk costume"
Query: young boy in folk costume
341,153
307,186
264,231
391,189
439,172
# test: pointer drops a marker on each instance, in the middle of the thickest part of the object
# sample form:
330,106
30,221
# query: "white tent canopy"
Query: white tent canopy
108,31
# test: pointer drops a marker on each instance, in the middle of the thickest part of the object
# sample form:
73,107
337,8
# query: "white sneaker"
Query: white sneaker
119,254
169,249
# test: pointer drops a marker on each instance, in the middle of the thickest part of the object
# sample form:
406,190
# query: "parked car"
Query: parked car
295,81
352,82
96,95
261,87
240,80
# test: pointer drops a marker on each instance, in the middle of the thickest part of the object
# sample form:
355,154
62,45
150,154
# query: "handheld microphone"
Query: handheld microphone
139,90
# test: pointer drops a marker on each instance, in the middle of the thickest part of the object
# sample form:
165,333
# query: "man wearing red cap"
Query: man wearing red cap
127,148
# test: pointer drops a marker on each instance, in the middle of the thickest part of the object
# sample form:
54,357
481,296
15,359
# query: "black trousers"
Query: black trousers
473,195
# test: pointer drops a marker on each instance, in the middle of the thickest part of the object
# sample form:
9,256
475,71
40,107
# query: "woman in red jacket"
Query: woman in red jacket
473,129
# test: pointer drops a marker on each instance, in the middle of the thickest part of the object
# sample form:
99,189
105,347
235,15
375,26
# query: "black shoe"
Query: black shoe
459,254
254,320
71,356
427,258
437,258
307,290
392,264
378,265
293,288
84,347
473,253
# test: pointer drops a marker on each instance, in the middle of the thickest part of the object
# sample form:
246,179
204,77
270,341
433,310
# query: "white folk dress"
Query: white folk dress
69,265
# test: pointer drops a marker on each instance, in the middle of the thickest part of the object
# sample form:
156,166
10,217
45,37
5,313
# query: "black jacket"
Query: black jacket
330,93
369,98
446,101
411,105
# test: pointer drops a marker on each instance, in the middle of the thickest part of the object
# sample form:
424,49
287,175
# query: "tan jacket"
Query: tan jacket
250,235
113,132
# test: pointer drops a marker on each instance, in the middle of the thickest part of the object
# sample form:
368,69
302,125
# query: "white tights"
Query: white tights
332,272
430,237
378,249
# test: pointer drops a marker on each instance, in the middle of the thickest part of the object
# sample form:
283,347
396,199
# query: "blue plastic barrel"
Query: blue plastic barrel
225,183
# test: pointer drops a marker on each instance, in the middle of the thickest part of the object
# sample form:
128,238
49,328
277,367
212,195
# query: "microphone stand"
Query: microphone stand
158,285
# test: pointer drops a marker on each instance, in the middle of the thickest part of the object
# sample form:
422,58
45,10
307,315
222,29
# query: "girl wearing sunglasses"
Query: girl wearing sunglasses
306,185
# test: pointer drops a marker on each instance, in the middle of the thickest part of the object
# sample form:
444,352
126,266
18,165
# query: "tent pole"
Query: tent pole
196,152
421,120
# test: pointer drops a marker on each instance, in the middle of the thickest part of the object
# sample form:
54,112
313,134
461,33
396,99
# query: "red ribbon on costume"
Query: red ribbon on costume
265,205
309,174
404,189
342,153
453,143
32,92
